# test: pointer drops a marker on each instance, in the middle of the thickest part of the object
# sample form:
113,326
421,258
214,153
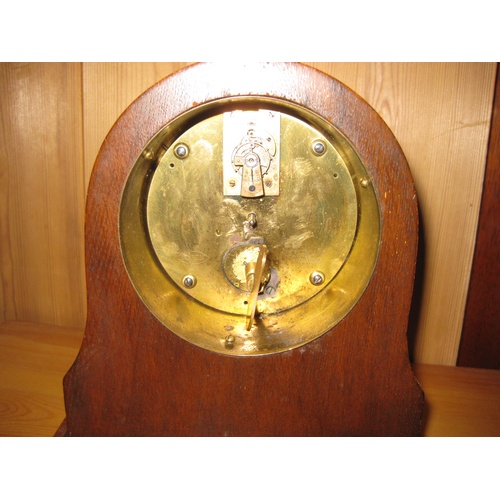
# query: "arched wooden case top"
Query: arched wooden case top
251,235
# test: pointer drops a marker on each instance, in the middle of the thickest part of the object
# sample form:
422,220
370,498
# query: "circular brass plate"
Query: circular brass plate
309,227
176,221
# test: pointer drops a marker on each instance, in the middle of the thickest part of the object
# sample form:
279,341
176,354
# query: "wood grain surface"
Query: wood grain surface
108,89
56,116
41,194
34,358
440,114
460,401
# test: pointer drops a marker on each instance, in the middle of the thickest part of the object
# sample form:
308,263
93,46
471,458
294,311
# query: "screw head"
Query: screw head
181,151
251,160
317,278
364,182
318,147
252,220
189,281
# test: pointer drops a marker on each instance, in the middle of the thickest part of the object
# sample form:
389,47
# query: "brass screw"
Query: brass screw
318,147
364,182
232,183
252,220
189,281
181,151
317,278
230,340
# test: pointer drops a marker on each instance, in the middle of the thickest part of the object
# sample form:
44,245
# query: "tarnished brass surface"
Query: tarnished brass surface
310,225
236,260
177,220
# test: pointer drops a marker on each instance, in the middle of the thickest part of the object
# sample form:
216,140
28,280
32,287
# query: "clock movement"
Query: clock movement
251,237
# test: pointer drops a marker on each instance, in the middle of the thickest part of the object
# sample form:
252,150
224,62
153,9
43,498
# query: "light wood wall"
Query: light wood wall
55,116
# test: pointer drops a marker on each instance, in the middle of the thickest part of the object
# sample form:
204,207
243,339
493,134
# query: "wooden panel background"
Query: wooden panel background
42,194
55,117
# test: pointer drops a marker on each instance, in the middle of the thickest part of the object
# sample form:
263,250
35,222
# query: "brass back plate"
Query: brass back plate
187,237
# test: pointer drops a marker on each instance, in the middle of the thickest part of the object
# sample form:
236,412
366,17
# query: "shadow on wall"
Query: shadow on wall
416,303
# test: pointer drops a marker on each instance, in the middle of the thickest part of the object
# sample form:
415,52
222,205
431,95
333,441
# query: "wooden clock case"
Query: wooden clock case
134,377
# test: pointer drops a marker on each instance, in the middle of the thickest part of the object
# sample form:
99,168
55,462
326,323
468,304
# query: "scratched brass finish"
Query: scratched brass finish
310,225
177,220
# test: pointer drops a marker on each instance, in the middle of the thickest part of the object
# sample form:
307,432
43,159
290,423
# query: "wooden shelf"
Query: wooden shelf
460,401
34,359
